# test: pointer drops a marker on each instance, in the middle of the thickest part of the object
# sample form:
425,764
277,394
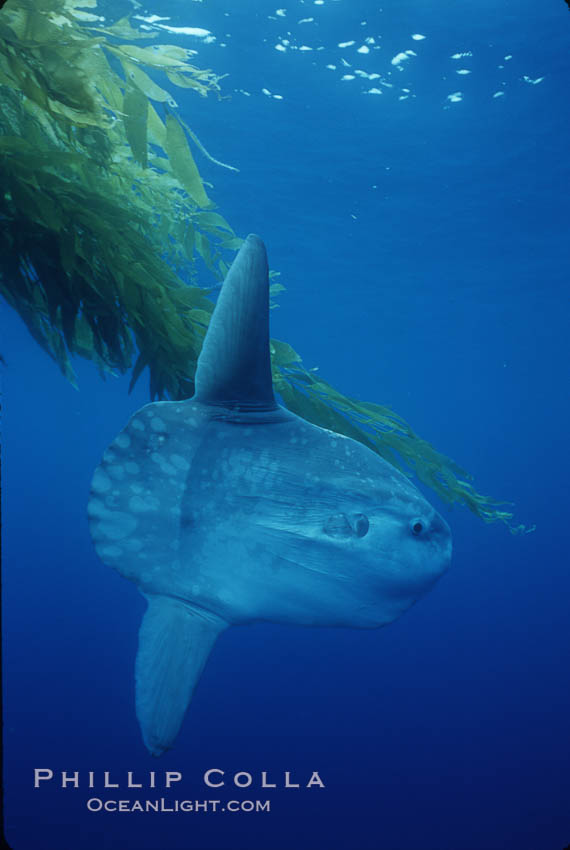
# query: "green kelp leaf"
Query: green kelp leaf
183,163
211,220
123,29
17,20
7,27
192,296
386,420
78,117
204,248
110,332
63,360
161,164
141,363
181,336
67,251
185,81
83,343
156,128
189,243
201,316
317,412
35,204
173,51
85,16
233,244
14,144
154,57
164,227
282,353
6,79
135,109
379,411
29,87
143,82
79,4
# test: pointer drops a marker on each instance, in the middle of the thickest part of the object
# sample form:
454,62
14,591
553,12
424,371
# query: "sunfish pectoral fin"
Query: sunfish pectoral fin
174,643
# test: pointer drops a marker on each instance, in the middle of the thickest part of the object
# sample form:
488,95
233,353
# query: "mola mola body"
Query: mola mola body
227,509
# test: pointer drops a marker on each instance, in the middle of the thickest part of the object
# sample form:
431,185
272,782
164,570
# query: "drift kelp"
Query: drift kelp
105,223
102,204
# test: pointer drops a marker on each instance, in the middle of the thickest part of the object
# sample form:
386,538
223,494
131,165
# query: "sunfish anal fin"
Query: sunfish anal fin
234,366
174,643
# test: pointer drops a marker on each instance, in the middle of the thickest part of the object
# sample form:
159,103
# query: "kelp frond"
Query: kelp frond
103,208
383,431
105,223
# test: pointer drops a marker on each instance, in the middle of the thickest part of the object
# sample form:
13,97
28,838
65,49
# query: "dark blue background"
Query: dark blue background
442,292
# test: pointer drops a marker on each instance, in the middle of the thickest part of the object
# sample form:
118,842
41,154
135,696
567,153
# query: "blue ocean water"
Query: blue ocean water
421,233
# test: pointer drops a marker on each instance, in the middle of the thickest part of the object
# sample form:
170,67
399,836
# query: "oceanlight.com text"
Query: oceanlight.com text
96,804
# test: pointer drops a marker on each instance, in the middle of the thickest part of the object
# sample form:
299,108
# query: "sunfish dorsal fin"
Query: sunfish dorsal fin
234,367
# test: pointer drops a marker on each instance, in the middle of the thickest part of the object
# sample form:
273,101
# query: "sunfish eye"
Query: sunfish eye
360,524
417,527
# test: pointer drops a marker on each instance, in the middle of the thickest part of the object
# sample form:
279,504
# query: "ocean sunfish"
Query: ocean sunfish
227,509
